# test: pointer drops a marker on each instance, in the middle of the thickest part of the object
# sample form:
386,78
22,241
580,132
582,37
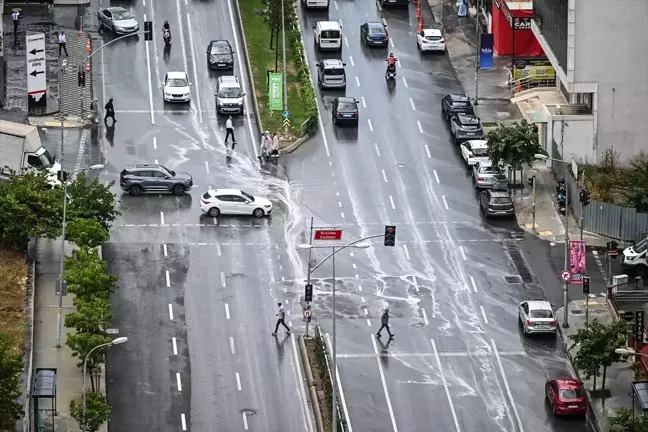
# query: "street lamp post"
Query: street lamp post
359,244
59,324
566,264
117,341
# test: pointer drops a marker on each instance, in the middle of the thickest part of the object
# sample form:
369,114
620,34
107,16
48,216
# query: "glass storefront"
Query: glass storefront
551,18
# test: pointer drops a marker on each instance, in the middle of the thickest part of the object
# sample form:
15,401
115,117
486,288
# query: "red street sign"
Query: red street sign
329,234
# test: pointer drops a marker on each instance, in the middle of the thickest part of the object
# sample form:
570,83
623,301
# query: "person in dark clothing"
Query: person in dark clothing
15,17
384,320
110,111
281,319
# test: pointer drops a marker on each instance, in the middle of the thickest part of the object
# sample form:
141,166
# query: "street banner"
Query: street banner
577,261
275,92
486,51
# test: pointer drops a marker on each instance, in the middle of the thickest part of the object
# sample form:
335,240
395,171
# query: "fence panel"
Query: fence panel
603,218
628,223
574,197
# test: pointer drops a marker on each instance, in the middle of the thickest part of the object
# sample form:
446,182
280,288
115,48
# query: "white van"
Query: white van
315,4
634,257
328,36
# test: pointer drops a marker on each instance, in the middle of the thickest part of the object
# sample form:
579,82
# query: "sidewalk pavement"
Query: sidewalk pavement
619,376
46,355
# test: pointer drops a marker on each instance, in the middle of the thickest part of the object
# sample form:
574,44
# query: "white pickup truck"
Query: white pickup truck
21,152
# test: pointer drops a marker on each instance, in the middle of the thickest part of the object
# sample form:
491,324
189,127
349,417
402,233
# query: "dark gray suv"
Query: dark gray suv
153,178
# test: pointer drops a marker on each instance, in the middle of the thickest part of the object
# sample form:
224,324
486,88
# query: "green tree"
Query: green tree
92,315
86,274
81,344
97,411
637,183
86,233
515,145
625,421
28,208
10,367
272,18
91,200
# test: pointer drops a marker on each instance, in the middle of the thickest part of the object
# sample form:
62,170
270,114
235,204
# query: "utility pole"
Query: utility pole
477,54
285,68
60,282
566,266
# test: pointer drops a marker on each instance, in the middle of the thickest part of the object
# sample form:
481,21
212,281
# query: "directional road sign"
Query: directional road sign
565,276
36,68
286,122
286,114
328,234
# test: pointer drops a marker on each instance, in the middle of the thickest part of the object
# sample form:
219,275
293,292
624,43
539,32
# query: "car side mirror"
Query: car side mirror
243,94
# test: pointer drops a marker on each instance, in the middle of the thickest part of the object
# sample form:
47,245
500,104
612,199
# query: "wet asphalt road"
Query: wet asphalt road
459,360
197,295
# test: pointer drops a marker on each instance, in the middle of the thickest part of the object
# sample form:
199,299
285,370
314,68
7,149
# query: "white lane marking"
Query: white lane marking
178,381
436,176
354,266
445,203
384,21
164,249
156,161
154,143
184,422
391,42
222,278
339,204
407,255
368,323
168,278
195,70
379,7
175,345
357,81
103,77
150,79
441,354
384,384
161,218
427,151
245,424
342,214
425,318
483,312
170,311
336,5
405,82
366,311
412,103
339,387
364,104
474,284
506,386
340,21
218,248
300,387
391,201
463,253
445,385
346,42
238,382
370,125
182,39
207,167
377,149
420,126
248,96
384,175
351,60
227,314
362,299
232,345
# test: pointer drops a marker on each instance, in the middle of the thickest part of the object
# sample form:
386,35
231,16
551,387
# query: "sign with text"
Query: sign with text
521,23
577,261
639,326
36,68
328,234
486,51
275,91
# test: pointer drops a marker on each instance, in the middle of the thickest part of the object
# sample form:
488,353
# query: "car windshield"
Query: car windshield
220,49
334,71
177,82
229,92
330,34
459,104
247,196
641,246
121,15
541,313
490,170
480,152
574,393
376,30
346,106
166,171
500,200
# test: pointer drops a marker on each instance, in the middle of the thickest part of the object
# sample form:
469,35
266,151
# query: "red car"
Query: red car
566,396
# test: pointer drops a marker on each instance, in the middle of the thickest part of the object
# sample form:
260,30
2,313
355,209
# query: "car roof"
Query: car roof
458,98
231,80
176,75
116,9
216,192
135,167
332,63
347,99
219,42
432,32
478,143
329,25
567,382
534,304
503,194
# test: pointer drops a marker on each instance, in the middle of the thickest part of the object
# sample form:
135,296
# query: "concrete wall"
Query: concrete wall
610,42
577,140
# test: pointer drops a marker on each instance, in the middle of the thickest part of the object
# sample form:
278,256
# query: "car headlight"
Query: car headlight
230,60
267,205
187,94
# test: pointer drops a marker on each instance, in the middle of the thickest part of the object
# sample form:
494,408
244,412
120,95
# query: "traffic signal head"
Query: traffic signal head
584,197
308,293
148,30
390,235
586,285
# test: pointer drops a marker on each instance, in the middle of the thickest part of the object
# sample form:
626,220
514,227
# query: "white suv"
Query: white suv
229,95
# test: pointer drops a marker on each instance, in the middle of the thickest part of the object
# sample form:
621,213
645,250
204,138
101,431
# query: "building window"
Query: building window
551,18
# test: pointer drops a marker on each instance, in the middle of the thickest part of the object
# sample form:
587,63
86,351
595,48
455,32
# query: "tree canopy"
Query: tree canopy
97,411
637,183
515,145
86,233
10,367
86,274
626,421
91,200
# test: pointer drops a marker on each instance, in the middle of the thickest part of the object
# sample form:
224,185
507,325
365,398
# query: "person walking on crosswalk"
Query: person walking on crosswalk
384,320
62,41
281,319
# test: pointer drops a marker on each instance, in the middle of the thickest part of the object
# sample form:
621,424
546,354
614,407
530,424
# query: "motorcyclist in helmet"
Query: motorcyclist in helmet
166,26
391,62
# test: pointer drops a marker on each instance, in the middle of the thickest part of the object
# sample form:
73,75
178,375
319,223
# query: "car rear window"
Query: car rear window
542,313
460,104
346,106
376,30
571,394
480,152
500,200
334,71
490,170
206,195
330,34
434,38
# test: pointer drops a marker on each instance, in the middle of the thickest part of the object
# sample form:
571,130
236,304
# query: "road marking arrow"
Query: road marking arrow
35,73
34,51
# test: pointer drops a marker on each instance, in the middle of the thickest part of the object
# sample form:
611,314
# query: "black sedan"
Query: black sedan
454,104
374,34
345,111
220,55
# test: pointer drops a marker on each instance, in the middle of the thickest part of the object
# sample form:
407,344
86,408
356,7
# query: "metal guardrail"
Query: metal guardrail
530,82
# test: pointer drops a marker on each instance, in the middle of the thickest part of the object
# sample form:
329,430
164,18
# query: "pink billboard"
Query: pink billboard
577,261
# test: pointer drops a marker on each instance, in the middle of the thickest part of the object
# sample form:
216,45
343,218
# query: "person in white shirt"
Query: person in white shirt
15,17
62,46
274,149
229,128
281,319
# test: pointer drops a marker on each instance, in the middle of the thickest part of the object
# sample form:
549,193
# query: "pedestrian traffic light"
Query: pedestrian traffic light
586,285
81,78
390,235
584,197
308,293
148,30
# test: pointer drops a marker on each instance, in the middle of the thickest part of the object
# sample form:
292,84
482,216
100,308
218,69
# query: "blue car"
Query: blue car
374,34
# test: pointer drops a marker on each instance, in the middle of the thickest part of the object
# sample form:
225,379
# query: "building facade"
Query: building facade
598,49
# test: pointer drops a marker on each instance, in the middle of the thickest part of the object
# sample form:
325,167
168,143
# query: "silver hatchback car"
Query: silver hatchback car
536,316
118,19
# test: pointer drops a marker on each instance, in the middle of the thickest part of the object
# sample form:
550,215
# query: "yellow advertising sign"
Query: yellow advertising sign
538,69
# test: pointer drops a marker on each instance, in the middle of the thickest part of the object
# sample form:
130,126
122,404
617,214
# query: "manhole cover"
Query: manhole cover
416,325
248,412
512,279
